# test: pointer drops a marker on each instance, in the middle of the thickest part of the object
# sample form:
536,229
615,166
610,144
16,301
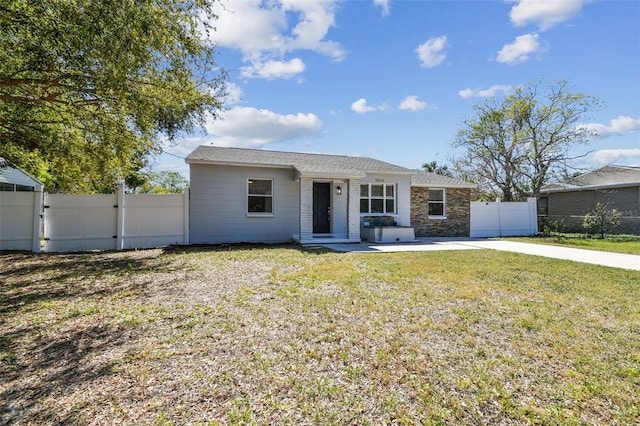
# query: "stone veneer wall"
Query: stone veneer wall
458,212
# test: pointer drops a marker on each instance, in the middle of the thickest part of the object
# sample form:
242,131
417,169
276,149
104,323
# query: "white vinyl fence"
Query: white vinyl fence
80,222
155,220
92,222
20,220
504,219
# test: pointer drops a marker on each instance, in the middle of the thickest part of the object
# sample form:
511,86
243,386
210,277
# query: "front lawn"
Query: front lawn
629,244
275,335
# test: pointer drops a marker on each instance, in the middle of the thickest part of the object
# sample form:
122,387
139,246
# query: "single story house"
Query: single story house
616,186
14,179
248,195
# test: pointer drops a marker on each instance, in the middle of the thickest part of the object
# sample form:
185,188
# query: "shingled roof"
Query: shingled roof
433,180
315,165
605,177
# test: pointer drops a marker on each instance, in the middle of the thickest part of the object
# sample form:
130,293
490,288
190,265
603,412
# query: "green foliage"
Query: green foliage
164,182
548,226
517,144
434,167
601,220
89,89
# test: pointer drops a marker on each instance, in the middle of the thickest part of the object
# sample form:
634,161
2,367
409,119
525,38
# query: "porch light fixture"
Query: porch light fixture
338,190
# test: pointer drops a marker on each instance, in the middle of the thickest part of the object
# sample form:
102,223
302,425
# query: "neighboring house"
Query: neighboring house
245,195
618,187
14,179
440,205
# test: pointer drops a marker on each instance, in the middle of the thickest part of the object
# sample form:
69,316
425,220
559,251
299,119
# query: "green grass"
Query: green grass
281,336
629,244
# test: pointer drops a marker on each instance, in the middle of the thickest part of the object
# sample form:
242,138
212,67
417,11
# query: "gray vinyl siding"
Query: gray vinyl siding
218,205
17,179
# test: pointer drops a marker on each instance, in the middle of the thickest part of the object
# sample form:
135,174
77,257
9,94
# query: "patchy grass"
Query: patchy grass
629,244
279,336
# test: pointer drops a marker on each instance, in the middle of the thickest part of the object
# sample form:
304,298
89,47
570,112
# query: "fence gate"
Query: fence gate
80,222
115,221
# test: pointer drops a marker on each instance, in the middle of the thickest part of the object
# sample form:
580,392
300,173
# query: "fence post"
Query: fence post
38,203
533,215
499,217
185,219
120,222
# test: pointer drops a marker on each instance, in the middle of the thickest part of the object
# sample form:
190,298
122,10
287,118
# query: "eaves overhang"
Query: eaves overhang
590,187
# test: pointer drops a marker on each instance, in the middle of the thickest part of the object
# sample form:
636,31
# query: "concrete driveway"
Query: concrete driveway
614,260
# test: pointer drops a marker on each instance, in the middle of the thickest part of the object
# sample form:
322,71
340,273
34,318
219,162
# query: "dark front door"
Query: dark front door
321,208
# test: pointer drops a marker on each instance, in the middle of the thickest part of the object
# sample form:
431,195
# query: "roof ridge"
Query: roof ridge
287,152
304,162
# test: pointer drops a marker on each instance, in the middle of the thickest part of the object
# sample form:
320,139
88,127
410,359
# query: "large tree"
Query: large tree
516,144
90,88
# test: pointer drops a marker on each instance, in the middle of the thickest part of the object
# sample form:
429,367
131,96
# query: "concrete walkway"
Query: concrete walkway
614,260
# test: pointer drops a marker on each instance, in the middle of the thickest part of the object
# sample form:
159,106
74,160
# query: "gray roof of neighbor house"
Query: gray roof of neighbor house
314,165
604,177
16,176
433,180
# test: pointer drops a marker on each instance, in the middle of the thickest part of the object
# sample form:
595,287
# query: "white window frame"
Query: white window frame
259,214
443,202
384,199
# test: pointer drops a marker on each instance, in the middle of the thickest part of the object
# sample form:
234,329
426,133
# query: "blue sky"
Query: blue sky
394,80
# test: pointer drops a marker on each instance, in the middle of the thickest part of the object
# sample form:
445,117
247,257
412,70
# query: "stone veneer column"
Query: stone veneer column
305,215
353,209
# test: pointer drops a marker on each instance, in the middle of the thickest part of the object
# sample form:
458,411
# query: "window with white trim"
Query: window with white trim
260,196
437,203
378,198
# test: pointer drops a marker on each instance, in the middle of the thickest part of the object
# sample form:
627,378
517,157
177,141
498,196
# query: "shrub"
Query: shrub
548,226
601,220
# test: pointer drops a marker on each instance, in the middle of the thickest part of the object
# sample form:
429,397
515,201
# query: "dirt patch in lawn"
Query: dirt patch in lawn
275,335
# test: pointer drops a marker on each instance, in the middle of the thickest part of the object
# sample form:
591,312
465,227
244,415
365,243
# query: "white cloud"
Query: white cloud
484,93
183,147
618,126
246,127
315,19
251,127
361,107
273,69
520,50
412,103
544,13
613,156
233,93
266,31
384,4
245,26
430,53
